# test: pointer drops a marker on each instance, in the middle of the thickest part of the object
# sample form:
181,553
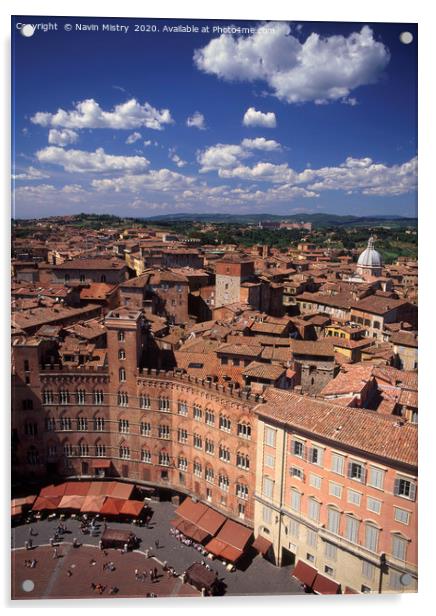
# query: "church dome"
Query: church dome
370,257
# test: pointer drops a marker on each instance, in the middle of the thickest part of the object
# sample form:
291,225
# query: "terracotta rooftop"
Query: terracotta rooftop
246,350
366,431
351,381
91,264
405,339
378,305
263,371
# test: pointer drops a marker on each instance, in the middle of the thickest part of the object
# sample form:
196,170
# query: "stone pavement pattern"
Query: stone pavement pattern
260,577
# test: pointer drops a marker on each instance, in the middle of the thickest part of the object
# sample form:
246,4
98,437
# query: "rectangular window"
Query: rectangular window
371,537
376,477
329,570
351,529
313,509
368,570
296,472
270,437
356,471
337,464
269,461
374,505
354,497
401,515
268,487
316,455
311,538
399,547
333,520
310,558
405,488
335,489
315,481
267,515
298,449
330,551
295,500
294,528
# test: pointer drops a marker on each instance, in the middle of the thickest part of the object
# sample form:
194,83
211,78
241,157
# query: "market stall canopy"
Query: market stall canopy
72,501
77,488
100,488
305,573
200,577
325,586
132,507
120,490
262,545
23,501
191,511
17,510
211,521
112,506
235,534
43,503
93,504
52,491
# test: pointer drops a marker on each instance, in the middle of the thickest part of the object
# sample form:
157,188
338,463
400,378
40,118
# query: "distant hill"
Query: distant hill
318,220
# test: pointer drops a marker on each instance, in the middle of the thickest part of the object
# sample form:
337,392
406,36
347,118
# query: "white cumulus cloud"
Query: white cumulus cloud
133,138
260,143
252,117
320,69
89,114
31,173
79,161
161,180
197,120
62,137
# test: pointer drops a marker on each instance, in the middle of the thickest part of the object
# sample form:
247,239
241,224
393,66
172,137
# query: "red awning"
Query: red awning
99,488
262,545
53,490
93,504
191,511
305,573
112,506
77,488
72,501
350,591
132,507
215,546
23,501
101,463
44,503
235,534
325,586
17,510
231,554
211,521
121,490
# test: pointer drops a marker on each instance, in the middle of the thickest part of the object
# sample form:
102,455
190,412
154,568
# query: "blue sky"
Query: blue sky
292,117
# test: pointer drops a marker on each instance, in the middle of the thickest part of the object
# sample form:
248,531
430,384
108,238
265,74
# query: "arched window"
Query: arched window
83,449
121,354
124,451
121,336
244,429
122,375
100,449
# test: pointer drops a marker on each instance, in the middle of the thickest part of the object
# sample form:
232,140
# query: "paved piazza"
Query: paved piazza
71,574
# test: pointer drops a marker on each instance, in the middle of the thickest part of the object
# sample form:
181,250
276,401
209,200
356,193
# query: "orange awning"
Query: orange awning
43,503
77,488
53,490
93,504
71,501
17,510
99,488
24,500
231,554
132,507
112,506
215,546
305,573
121,490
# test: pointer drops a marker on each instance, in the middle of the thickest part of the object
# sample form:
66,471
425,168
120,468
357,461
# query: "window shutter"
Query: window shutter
364,474
397,487
412,491
350,470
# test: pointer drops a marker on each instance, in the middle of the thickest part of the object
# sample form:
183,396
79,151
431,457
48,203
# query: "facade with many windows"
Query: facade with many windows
334,489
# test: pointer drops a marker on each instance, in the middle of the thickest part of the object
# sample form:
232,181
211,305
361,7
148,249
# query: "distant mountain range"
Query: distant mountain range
318,220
